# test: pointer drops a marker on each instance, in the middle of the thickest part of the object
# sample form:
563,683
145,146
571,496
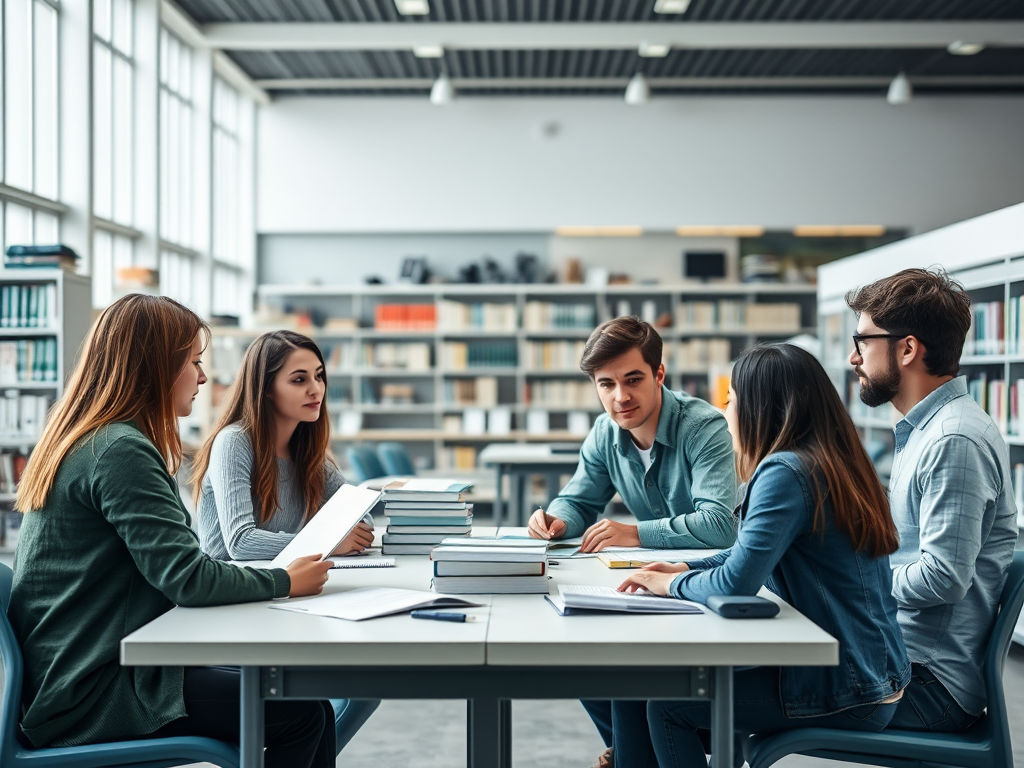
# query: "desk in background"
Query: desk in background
520,462
519,648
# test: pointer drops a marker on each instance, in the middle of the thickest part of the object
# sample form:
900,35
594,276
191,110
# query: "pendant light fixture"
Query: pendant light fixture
442,92
900,90
638,91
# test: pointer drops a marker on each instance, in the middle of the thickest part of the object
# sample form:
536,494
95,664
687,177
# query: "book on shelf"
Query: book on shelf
553,355
481,316
737,315
481,391
22,416
41,256
552,316
24,361
559,393
410,356
405,317
694,354
460,457
463,355
28,306
987,335
12,465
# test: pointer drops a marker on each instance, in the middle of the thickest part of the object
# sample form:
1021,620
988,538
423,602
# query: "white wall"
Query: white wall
334,165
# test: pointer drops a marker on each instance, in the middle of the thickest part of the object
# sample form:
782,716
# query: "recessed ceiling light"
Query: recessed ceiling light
654,50
730,230
961,48
412,7
624,231
428,51
671,6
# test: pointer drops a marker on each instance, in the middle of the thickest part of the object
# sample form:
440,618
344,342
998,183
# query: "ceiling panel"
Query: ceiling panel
207,11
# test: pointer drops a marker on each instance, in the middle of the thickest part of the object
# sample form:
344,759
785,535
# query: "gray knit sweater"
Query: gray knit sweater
226,516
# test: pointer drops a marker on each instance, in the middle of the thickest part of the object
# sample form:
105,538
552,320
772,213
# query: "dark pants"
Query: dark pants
297,734
927,706
757,708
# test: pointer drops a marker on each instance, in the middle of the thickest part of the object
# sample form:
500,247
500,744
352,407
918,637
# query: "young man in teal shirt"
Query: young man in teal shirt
668,455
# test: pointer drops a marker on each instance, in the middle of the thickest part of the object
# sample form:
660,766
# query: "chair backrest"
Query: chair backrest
10,659
364,463
395,459
1010,602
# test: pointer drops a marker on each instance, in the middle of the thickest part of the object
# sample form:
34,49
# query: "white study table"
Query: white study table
518,648
520,462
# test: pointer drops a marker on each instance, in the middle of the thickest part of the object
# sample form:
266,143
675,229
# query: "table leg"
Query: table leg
488,733
497,497
251,741
722,731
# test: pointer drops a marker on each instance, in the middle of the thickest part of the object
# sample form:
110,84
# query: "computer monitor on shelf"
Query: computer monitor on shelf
704,265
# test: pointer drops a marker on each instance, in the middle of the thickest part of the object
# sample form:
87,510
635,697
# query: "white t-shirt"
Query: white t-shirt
645,457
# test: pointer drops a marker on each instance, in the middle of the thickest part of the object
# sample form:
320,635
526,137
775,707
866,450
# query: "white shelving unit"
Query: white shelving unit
68,328
421,424
986,254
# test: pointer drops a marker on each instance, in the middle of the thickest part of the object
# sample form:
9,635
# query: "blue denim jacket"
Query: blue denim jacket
846,593
686,498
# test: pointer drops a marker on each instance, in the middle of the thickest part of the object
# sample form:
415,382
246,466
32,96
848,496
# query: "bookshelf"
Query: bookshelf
45,315
986,254
500,362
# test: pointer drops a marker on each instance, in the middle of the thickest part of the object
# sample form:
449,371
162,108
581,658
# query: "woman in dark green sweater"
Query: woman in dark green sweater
106,546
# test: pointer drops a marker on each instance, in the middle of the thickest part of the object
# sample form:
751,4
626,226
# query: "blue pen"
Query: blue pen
439,616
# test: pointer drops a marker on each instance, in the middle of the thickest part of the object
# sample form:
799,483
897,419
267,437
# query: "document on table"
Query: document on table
571,599
355,561
371,602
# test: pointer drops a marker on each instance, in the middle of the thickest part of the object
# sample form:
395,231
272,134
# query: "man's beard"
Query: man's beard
883,388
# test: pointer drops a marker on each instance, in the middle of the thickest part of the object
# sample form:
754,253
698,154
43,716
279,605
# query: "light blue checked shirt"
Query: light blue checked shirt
952,501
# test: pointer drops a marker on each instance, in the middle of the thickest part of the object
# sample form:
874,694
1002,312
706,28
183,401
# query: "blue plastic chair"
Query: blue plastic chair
349,716
985,745
364,463
395,459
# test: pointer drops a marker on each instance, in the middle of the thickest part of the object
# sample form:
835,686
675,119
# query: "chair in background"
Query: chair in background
143,753
985,745
395,459
364,463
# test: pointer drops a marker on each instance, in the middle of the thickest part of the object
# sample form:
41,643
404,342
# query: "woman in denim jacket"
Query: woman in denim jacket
815,528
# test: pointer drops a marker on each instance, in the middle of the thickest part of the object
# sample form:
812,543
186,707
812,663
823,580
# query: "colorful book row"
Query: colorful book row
28,360
28,306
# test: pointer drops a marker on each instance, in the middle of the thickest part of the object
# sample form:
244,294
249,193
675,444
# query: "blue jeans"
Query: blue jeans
927,706
757,708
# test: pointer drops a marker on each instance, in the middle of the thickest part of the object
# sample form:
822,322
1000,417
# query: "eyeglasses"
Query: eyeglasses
859,337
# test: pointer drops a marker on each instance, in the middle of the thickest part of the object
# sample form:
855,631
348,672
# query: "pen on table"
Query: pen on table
441,616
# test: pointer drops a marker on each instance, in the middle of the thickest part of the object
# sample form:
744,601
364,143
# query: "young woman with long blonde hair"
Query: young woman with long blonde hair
106,547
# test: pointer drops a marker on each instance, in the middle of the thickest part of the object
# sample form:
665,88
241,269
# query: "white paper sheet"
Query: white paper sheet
371,602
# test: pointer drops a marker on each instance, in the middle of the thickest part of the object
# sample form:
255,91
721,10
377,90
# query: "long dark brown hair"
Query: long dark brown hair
248,406
786,402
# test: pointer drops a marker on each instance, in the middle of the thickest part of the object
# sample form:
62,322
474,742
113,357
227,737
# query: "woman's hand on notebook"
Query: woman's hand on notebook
308,575
360,538
652,581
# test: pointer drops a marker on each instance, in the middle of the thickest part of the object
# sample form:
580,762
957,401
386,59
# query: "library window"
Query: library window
30,96
113,138
110,252
226,168
176,276
175,140
23,225
227,291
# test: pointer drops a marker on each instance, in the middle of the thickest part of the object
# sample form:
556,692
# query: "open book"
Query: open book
575,599
371,602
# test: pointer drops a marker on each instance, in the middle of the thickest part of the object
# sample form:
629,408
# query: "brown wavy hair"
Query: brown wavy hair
248,406
786,402
129,362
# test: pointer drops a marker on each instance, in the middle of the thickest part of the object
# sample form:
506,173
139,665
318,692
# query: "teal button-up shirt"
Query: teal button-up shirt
686,498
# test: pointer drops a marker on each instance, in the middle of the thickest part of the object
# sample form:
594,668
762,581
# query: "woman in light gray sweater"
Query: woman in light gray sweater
266,468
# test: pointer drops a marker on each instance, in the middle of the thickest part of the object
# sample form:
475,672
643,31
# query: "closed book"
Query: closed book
444,530
459,568
425,489
413,538
57,249
427,506
450,522
407,549
493,585
572,597
491,554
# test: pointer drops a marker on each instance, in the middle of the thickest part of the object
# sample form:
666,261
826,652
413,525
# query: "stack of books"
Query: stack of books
468,566
41,256
422,512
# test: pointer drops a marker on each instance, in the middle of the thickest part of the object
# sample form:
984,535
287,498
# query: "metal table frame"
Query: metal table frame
489,691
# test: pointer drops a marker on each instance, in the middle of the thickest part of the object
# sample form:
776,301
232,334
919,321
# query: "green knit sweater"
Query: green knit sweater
109,552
